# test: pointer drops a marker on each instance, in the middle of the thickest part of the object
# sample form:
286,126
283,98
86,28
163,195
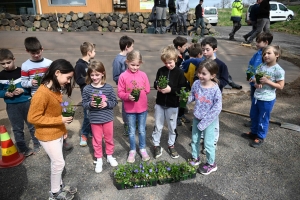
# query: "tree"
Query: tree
225,4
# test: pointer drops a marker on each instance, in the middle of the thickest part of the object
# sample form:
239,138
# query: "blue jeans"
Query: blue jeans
86,126
141,119
17,114
199,21
260,115
209,141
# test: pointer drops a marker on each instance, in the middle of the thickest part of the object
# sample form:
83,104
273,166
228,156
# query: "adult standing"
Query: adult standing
263,20
199,19
161,9
182,9
236,17
253,19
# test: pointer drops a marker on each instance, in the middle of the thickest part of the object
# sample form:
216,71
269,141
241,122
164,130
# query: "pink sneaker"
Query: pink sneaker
131,156
144,154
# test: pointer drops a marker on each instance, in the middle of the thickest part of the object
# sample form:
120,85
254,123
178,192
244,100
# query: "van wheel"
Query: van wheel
289,18
214,24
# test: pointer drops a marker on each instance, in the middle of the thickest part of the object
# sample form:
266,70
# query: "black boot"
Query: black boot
184,30
174,31
180,31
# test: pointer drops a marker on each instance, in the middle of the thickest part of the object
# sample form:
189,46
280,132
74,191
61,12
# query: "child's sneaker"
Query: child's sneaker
67,146
173,152
60,196
195,161
83,141
28,152
207,168
99,164
112,161
144,154
157,151
69,189
131,156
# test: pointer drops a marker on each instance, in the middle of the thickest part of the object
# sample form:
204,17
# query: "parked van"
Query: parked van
278,12
211,14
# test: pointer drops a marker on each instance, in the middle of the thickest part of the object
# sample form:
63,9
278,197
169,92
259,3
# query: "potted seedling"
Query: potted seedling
135,90
38,76
183,97
162,82
68,110
258,76
11,86
98,97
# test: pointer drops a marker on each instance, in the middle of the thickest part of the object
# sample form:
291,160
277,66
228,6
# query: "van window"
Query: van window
210,11
282,7
273,6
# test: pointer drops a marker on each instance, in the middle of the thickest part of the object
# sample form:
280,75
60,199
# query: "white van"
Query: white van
211,14
278,12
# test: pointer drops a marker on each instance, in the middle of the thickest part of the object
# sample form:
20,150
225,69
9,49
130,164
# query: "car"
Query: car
278,12
211,14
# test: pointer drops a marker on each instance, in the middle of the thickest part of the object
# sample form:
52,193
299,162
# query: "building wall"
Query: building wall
97,6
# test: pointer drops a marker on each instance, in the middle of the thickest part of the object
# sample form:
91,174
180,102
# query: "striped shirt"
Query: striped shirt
98,115
30,68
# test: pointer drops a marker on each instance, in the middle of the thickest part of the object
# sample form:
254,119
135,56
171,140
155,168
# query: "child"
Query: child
119,66
17,102
173,17
208,97
181,45
45,113
167,101
88,52
101,116
191,65
265,95
136,110
35,65
209,47
182,7
262,40
161,10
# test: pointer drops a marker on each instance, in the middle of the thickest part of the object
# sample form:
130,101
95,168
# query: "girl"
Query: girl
45,114
136,110
100,114
207,95
264,95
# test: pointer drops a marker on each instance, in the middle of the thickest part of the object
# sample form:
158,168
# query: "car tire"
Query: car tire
214,24
289,18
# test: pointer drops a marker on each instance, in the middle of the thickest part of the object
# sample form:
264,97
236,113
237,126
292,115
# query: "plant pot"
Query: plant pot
258,77
98,101
68,114
249,75
136,95
182,104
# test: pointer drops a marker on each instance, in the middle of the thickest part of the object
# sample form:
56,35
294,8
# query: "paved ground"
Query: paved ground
271,172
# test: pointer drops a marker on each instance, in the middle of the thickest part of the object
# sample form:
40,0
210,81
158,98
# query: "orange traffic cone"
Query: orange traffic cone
10,155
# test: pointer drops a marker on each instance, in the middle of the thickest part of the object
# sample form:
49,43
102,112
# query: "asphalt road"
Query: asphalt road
288,42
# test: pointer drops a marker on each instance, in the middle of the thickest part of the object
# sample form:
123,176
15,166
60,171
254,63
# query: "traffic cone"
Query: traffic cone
10,155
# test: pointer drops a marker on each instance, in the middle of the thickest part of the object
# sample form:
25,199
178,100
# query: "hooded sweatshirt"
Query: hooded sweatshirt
182,6
81,68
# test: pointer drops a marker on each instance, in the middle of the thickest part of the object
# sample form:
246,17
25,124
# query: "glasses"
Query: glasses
6,63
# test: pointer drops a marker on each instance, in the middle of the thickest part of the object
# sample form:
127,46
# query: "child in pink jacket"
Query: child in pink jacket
133,88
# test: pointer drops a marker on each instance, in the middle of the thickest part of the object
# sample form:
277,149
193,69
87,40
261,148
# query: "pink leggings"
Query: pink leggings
54,150
99,131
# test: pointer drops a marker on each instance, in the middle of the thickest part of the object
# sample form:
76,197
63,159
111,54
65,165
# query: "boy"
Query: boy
180,43
88,52
35,65
182,8
262,40
209,47
199,19
167,101
119,66
173,17
17,102
190,66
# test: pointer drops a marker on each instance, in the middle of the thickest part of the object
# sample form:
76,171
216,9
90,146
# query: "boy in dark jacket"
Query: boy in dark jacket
167,101
88,52
199,19
173,16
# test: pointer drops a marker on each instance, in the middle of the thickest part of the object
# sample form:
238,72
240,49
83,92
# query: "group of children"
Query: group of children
39,106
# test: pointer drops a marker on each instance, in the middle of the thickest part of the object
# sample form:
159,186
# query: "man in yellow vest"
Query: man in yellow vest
236,17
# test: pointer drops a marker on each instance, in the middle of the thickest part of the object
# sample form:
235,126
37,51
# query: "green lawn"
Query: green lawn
292,26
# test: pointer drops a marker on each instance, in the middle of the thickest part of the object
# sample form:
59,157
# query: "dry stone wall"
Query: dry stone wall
112,22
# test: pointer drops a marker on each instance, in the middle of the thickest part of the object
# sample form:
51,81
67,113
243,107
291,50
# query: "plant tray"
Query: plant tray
140,184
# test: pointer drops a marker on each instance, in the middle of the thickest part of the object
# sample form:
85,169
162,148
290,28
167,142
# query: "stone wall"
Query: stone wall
112,22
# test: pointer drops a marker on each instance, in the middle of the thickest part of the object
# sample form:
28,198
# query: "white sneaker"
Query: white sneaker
112,161
99,164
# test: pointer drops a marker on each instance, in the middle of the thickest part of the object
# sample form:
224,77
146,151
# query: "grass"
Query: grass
292,27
